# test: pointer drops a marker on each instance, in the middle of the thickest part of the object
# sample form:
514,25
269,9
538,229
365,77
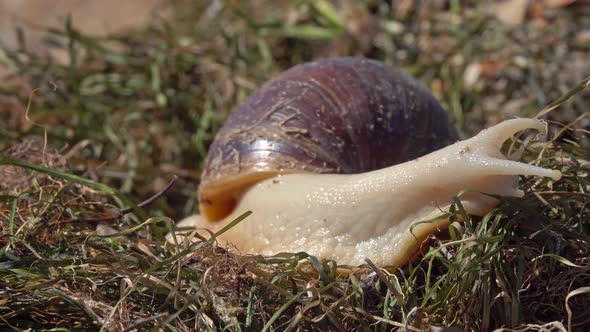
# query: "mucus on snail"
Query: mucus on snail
340,158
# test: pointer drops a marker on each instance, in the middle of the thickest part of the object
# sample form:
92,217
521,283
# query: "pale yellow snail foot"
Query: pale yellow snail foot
353,217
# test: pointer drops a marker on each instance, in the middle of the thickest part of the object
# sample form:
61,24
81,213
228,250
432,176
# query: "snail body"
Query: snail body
340,158
337,115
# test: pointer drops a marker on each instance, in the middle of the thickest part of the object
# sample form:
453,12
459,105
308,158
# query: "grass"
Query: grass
129,112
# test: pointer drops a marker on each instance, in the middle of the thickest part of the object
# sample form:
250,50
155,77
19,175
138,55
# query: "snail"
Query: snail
340,158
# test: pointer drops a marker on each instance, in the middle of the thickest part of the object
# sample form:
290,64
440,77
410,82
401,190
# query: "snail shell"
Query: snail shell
337,115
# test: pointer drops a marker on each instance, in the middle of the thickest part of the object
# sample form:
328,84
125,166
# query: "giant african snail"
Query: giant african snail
356,117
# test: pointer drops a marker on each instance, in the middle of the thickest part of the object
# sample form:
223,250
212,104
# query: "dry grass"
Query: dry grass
131,111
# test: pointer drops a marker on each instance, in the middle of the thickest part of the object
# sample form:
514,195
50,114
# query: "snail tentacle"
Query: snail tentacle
484,165
501,132
483,151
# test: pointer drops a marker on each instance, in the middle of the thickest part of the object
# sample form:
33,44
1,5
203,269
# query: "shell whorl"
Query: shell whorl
336,115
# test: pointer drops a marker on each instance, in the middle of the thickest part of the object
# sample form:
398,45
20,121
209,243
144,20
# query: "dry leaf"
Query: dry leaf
510,12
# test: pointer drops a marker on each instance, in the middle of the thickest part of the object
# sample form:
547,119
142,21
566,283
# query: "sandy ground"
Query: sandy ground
91,17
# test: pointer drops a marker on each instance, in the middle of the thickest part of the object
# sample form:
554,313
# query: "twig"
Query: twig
120,214
142,321
387,282
394,323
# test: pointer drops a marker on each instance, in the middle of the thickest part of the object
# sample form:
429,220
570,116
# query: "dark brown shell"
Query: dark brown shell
337,115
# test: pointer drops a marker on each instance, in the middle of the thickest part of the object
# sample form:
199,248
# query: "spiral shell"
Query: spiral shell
335,115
